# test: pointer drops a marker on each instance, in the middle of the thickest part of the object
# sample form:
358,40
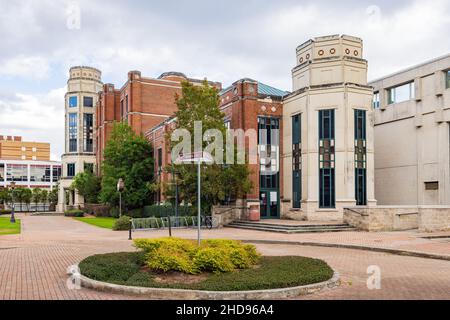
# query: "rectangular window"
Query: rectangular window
401,93
73,102
73,132
376,100
121,109
433,185
159,158
2,171
71,170
88,102
40,173
296,161
269,141
360,158
327,197
56,173
89,167
126,105
17,172
447,79
88,132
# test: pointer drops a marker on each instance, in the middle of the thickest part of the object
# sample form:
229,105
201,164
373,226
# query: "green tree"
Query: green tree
53,196
44,197
5,196
127,156
87,185
18,197
201,103
26,197
36,196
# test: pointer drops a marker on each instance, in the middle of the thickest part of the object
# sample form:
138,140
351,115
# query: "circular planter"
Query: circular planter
182,294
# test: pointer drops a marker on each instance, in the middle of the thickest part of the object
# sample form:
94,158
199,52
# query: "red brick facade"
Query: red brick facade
143,102
242,103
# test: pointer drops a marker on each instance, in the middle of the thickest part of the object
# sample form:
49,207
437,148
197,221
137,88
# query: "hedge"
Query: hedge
74,213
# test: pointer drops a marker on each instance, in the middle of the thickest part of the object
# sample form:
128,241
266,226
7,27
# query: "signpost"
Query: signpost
199,158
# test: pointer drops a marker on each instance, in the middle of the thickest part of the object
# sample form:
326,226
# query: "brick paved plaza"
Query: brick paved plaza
33,265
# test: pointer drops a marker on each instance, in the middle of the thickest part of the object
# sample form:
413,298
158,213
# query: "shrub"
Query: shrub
136,213
114,212
122,224
5,211
98,210
74,213
218,256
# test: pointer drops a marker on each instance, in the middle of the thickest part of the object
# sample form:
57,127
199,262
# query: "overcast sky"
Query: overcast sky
221,40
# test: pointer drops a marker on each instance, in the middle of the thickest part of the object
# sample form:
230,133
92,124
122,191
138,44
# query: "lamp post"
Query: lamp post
13,218
120,187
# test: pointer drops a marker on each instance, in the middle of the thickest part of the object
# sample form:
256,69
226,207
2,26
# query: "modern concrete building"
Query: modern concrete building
80,103
412,135
14,148
29,173
328,146
27,164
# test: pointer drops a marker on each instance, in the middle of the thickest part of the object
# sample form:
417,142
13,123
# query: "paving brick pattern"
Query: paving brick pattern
33,265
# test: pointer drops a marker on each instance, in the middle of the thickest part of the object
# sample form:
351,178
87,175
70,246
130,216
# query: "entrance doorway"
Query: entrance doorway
269,204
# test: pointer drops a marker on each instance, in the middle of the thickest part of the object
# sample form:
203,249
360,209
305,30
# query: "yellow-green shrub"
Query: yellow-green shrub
217,255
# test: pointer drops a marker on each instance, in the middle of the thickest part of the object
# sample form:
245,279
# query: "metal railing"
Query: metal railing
146,224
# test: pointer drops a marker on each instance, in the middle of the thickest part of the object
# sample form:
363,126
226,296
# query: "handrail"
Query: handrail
357,212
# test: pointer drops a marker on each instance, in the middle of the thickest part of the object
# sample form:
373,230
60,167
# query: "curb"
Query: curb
355,247
182,294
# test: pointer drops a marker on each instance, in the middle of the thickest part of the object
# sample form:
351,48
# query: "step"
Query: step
299,227
301,230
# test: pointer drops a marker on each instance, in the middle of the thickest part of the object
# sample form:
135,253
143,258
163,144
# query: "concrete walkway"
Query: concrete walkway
33,265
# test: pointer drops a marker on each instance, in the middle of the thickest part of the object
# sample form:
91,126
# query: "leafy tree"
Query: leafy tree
53,196
127,156
26,197
87,185
18,197
201,103
44,197
5,196
36,196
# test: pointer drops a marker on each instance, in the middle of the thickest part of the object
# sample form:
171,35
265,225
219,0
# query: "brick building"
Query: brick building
247,104
142,102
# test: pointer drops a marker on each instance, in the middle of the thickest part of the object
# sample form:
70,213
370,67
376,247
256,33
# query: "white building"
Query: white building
30,173
80,103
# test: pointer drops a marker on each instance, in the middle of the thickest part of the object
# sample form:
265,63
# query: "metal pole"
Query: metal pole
129,232
13,218
199,202
120,204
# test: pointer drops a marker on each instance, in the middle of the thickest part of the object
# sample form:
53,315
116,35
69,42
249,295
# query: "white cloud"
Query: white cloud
33,67
35,117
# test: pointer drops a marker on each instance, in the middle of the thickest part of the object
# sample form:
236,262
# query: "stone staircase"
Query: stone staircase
311,227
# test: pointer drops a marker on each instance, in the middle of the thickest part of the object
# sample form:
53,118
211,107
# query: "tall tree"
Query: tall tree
128,156
36,196
219,181
87,185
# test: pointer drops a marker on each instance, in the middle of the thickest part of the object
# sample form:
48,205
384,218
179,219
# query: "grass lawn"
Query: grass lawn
7,227
106,222
272,272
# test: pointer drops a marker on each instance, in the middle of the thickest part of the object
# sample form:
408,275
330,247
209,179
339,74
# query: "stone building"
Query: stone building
412,135
328,143
80,103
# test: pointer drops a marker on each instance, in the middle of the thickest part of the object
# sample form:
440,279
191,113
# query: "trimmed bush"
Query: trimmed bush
167,210
98,210
114,212
174,254
74,213
5,212
136,213
122,224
